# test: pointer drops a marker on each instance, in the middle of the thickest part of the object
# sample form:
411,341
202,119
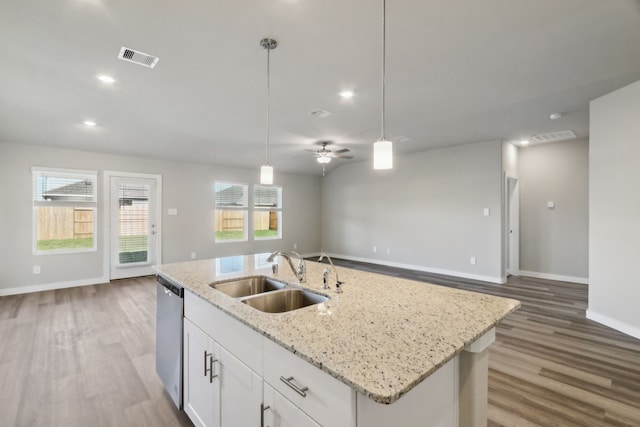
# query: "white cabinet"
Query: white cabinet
201,389
240,392
219,390
327,400
280,412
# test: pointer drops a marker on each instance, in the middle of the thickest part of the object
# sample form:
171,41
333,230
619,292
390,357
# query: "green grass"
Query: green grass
133,243
266,233
65,244
239,234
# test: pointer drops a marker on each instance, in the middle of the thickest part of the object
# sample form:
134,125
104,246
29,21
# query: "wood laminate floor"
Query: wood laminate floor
85,357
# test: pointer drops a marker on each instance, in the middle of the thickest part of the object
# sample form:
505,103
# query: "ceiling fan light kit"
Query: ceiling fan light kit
266,171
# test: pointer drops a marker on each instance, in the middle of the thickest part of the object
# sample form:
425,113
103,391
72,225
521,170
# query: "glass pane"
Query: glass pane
266,224
64,228
267,196
65,187
231,195
133,223
230,225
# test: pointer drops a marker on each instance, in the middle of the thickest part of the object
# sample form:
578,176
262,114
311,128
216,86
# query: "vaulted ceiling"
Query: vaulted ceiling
458,71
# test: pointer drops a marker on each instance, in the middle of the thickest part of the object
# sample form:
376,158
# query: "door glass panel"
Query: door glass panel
133,223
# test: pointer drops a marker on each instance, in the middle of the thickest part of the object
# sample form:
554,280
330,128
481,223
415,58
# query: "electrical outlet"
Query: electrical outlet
36,269
375,249
295,246
388,251
473,260
193,255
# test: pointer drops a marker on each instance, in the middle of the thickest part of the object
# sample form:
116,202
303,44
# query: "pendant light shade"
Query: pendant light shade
383,154
383,148
266,175
266,171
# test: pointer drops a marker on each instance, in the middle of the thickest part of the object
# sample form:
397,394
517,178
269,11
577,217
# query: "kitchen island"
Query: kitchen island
380,339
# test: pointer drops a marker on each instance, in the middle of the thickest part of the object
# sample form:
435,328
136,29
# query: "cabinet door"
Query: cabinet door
240,392
201,389
280,412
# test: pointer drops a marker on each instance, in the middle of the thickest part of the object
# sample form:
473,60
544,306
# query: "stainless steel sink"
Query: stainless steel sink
284,300
249,286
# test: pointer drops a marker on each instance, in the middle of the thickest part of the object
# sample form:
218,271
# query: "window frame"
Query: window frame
244,209
91,203
278,209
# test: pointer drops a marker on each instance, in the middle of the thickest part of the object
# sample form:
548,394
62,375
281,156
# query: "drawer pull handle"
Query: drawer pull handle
209,370
300,390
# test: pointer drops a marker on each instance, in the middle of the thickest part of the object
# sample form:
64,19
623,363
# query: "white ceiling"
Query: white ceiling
458,71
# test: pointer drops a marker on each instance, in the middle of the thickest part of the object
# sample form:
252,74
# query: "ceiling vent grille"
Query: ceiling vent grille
554,136
137,57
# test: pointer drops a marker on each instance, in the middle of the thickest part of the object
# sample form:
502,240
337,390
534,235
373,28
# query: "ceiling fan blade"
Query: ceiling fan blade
310,150
342,156
344,150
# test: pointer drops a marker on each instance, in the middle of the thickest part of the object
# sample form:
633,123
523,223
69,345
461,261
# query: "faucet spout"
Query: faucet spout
299,271
338,282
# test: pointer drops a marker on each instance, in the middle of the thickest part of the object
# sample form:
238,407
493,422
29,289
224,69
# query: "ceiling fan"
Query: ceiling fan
324,155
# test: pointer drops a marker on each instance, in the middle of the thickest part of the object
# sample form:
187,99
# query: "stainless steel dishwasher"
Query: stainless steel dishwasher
169,312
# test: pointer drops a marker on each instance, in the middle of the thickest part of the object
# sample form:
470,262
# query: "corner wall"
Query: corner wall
427,211
555,241
186,186
614,210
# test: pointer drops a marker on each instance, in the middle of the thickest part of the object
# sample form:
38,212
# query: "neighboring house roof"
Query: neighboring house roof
81,190
233,195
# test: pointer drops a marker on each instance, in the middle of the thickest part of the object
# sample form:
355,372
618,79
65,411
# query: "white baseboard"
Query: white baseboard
623,327
558,277
52,286
490,279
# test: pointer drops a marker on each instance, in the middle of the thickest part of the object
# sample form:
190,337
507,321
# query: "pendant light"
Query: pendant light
266,171
383,148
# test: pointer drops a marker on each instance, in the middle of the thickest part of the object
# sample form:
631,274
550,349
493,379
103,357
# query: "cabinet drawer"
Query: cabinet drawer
239,339
328,401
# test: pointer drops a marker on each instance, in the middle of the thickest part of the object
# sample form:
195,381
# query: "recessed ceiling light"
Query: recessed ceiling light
105,78
555,116
347,94
89,123
524,142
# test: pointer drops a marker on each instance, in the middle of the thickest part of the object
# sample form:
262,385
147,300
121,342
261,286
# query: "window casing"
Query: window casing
64,210
267,212
231,212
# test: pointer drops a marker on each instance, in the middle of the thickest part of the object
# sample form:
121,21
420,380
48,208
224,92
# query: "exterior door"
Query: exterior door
134,228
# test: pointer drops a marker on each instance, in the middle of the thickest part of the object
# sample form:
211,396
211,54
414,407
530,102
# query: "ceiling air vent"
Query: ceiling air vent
321,114
553,136
137,57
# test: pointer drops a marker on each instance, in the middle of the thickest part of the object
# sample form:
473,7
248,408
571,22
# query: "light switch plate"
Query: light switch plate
172,211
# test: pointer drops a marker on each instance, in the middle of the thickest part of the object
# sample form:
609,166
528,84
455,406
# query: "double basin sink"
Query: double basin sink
269,295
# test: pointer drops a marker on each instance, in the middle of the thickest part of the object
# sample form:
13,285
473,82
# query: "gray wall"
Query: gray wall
555,241
186,186
614,209
428,211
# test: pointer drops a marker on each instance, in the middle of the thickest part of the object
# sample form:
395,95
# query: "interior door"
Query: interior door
513,218
134,230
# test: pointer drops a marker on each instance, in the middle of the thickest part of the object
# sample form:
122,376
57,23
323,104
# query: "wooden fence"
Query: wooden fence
234,220
64,223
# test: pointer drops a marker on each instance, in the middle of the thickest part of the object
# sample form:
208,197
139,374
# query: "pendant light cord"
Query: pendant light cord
384,38
268,104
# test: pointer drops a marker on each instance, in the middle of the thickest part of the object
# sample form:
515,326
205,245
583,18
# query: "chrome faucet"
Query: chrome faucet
325,274
300,271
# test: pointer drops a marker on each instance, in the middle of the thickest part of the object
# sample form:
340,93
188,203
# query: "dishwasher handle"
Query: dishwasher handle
170,286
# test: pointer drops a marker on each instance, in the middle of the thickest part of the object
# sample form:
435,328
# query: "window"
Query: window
64,210
232,204
267,213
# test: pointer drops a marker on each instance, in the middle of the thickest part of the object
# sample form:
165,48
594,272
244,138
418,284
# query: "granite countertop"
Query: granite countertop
381,336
